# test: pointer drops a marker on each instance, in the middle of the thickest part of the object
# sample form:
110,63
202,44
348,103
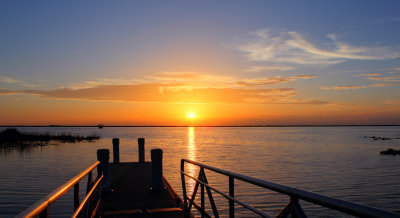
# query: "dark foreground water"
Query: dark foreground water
334,161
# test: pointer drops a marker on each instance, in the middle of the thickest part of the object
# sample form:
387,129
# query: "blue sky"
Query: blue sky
326,52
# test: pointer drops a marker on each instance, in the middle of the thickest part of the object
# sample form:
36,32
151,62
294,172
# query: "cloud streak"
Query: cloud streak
8,92
395,78
291,47
167,93
272,80
370,74
8,80
358,87
267,68
192,79
178,87
171,93
343,87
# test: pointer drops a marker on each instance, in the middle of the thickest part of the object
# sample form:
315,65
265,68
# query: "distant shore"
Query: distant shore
11,137
333,125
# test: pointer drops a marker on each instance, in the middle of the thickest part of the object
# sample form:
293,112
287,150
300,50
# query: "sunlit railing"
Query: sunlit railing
87,208
293,208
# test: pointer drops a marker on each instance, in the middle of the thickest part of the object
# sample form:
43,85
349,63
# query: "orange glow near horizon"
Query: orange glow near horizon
79,112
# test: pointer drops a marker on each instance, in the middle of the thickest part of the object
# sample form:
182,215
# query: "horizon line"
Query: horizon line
299,125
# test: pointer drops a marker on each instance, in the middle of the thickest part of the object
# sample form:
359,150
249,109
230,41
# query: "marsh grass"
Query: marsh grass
11,137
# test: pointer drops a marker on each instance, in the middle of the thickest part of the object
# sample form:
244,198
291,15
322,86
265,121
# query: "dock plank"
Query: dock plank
131,194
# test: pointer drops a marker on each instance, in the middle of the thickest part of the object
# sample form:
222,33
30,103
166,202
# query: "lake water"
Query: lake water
334,161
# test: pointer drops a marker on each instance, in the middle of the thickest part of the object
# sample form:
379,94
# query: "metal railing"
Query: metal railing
293,208
91,201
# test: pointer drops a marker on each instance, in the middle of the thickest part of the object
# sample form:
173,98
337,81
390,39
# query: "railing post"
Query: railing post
141,149
45,213
157,174
99,173
103,155
76,196
89,182
185,199
296,210
203,207
232,194
115,142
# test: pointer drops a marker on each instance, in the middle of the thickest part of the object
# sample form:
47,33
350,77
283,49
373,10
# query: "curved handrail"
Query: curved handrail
326,201
41,205
86,199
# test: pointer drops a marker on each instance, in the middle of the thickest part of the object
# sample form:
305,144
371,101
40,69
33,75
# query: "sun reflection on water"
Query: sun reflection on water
191,155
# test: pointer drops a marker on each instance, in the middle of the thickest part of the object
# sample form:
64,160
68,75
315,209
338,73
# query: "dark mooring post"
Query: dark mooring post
115,142
103,155
141,149
157,174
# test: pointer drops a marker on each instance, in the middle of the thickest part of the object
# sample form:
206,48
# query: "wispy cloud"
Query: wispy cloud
384,84
171,93
292,47
370,74
358,87
167,93
102,82
304,76
267,68
395,78
392,101
388,81
272,80
8,80
5,79
193,79
8,92
178,87
177,75
342,87
305,101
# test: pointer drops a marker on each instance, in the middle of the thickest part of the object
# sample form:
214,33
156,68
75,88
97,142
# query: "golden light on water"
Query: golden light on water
191,143
192,156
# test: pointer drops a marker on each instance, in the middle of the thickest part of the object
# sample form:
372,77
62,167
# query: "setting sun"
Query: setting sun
191,115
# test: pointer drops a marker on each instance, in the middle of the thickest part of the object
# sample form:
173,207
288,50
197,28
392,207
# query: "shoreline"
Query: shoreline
349,125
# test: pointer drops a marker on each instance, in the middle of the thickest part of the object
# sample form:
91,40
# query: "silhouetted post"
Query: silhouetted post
157,174
103,155
141,149
76,196
115,142
232,194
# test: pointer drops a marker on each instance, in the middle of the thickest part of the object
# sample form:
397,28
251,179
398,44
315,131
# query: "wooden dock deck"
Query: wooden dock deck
131,194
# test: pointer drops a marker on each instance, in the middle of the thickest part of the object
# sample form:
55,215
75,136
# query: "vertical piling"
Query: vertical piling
76,196
157,174
115,142
141,149
103,155
231,194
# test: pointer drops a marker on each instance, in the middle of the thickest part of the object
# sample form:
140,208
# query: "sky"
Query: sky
199,62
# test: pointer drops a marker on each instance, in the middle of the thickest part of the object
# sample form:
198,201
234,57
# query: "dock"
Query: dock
121,189
136,189
139,189
131,194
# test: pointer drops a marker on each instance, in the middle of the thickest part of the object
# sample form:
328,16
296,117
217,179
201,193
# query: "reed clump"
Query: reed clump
12,135
391,151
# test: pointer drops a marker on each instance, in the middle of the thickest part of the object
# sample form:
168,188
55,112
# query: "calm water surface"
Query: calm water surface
334,161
